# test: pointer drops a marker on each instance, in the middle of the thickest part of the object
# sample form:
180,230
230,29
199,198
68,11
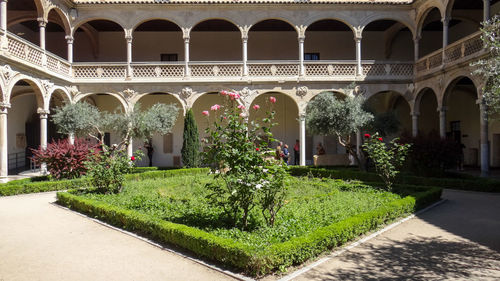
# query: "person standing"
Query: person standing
149,147
286,153
296,153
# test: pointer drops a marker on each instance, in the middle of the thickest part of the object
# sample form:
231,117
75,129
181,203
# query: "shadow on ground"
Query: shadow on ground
417,259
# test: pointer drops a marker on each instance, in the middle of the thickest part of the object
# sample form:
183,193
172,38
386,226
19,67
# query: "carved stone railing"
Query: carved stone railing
273,69
100,71
387,70
461,50
160,70
32,54
337,69
216,69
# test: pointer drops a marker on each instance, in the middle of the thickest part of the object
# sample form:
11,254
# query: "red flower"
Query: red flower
367,136
272,99
380,139
132,158
257,149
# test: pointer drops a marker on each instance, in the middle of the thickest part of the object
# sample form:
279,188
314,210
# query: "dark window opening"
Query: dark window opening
311,56
168,57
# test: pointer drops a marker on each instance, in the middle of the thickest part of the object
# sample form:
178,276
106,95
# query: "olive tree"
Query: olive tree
85,120
329,115
489,67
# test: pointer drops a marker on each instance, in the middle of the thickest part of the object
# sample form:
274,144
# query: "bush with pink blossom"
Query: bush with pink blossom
247,179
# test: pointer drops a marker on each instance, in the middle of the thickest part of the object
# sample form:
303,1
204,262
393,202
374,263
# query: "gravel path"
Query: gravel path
40,241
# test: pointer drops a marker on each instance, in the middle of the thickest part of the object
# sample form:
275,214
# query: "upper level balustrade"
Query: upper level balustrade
24,52
465,49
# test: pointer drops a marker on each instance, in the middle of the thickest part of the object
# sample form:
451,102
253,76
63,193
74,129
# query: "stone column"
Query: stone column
442,121
416,46
414,124
302,71
4,152
3,24
302,138
3,15
187,71
43,134
359,67
485,149
42,23
486,10
244,39
69,40
446,22
71,138
129,55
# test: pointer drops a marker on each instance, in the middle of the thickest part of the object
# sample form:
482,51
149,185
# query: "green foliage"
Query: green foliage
107,170
385,123
387,158
239,155
318,215
329,115
84,119
489,68
190,142
472,184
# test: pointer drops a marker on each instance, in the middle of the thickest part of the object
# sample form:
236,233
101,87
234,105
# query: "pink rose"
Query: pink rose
256,106
367,136
215,107
257,149
272,99
223,93
205,113
241,106
132,158
380,139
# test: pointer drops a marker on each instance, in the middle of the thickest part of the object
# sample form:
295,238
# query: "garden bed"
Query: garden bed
319,214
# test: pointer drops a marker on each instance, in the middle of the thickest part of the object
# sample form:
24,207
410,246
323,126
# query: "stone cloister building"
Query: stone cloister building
411,57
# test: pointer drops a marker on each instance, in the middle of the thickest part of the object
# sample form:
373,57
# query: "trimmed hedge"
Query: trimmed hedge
237,255
476,184
26,186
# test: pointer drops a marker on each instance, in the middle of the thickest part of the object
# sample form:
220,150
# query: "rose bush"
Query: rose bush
240,157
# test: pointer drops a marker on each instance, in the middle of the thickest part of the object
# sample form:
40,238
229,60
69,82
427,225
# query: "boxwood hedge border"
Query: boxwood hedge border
239,256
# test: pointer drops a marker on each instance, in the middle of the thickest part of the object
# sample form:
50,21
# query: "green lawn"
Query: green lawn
310,204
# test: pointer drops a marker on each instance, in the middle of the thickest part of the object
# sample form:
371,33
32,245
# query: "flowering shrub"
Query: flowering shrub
387,158
65,160
239,154
107,169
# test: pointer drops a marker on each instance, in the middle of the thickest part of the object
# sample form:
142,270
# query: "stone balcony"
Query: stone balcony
27,55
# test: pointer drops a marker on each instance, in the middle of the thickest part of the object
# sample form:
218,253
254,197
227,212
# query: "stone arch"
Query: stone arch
37,87
395,102
454,78
206,33
40,8
182,103
63,16
281,44
124,103
279,18
251,99
383,16
393,31
83,21
136,25
339,18
63,92
423,16
418,97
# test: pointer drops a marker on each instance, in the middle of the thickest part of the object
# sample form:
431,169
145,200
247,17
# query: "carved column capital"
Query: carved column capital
244,32
69,39
42,22
186,32
4,107
43,113
129,38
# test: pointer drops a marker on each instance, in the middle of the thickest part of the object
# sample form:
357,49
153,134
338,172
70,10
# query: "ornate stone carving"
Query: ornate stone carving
387,69
273,70
158,71
185,33
244,31
73,90
7,73
43,112
47,87
215,70
186,92
128,93
301,29
99,71
4,106
358,90
302,91
330,69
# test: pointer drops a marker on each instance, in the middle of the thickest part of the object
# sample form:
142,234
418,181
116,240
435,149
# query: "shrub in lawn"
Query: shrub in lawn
387,158
65,160
430,155
107,170
239,154
191,142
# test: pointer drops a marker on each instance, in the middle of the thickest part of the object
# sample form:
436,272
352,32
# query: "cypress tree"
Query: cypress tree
191,142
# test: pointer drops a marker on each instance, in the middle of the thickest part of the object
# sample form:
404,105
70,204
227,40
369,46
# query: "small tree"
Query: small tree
489,68
387,158
191,142
329,115
84,119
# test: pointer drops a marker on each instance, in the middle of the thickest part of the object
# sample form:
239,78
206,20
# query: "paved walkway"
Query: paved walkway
40,241
459,239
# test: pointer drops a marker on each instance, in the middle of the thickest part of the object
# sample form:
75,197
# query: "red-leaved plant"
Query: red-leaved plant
65,160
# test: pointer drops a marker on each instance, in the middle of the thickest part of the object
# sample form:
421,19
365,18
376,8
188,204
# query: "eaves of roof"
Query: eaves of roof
372,2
